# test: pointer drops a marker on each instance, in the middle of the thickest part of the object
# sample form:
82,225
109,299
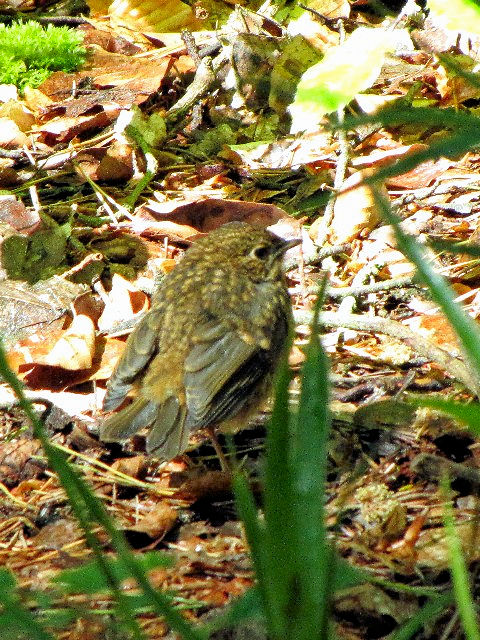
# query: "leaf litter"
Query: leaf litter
108,210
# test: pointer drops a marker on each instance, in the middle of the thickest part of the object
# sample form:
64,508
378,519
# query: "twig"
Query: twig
423,346
205,77
69,21
338,293
191,46
321,254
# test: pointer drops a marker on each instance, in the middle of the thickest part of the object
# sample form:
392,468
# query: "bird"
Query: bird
204,355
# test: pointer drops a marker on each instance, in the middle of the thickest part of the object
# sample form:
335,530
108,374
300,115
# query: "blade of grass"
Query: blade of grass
14,617
464,326
277,505
255,533
448,61
455,247
425,616
461,583
314,559
400,115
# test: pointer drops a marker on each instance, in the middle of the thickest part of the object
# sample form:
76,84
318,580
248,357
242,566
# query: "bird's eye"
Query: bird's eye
260,252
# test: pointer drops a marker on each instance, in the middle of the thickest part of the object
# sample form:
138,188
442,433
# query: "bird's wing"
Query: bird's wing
134,360
221,371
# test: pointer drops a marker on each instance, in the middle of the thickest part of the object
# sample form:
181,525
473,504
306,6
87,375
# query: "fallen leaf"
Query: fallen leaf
16,214
124,301
76,348
158,16
157,522
355,210
11,135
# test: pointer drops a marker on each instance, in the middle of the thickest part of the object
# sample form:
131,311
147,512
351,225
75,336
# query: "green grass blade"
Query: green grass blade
315,560
464,326
278,501
425,616
461,582
15,619
255,533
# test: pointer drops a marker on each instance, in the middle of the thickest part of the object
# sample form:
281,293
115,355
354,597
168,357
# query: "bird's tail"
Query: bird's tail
168,436
120,426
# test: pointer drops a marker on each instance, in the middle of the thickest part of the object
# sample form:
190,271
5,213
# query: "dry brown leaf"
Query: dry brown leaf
17,111
112,351
25,353
355,210
36,100
49,378
133,467
379,248
422,176
125,80
65,129
387,154
11,135
206,485
204,215
16,214
157,522
76,348
435,327
119,163
296,357
58,534
124,301
152,15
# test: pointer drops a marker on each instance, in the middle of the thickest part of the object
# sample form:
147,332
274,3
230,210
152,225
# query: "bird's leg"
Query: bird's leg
224,463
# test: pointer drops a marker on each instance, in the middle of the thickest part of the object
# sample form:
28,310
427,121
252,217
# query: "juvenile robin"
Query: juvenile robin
205,353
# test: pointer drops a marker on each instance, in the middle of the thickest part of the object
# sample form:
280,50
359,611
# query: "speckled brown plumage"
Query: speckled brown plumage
204,355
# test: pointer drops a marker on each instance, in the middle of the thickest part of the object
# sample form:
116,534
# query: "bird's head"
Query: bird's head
252,251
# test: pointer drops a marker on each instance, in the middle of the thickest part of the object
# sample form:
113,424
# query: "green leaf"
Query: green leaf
457,15
314,563
424,617
345,71
90,578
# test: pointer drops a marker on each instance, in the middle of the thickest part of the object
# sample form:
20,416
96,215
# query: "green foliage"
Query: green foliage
468,336
29,53
297,570
16,622
39,256
332,83
211,142
90,579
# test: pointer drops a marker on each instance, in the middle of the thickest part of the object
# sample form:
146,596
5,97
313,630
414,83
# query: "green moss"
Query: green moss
29,53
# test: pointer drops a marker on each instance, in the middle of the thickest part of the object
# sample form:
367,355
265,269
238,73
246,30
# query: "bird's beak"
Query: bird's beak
288,244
